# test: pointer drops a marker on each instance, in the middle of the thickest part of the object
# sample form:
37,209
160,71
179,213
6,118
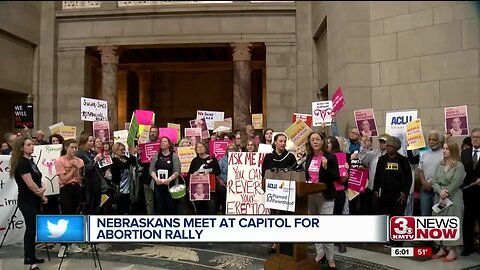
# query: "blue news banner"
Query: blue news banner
244,228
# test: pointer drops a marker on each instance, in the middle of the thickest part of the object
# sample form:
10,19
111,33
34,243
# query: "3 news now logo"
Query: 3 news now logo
424,228
60,229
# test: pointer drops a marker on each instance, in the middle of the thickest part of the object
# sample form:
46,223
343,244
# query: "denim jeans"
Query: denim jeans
426,202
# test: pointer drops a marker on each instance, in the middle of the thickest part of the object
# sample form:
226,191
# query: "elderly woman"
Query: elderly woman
446,184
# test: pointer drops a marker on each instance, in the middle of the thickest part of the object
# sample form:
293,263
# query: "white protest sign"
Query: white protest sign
210,117
8,204
396,123
93,110
280,195
322,112
44,157
245,195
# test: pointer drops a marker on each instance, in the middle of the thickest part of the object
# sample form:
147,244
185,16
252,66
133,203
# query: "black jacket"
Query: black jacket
472,173
274,160
401,177
93,173
328,175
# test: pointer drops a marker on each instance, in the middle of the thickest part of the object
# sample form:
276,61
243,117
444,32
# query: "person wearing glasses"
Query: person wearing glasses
470,158
392,182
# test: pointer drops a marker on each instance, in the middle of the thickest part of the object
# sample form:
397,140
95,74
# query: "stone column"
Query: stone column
109,82
144,85
241,84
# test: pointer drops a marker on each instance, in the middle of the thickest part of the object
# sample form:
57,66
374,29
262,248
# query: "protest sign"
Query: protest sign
222,126
194,135
148,150
218,148
342,163
395,126
245,195
338,101
365,120
456,121
415,138
105,161
67,132
199,187
265,148
322,113
200,123
358,179
307,118
101,130
171,133
93,109
209,118
44,156
23,115
257,120
177,127
186,155
280,195
140,126
298,132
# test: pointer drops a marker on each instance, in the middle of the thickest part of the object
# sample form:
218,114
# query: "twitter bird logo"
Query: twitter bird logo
57,230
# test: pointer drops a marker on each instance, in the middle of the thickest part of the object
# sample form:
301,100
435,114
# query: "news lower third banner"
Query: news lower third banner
251,228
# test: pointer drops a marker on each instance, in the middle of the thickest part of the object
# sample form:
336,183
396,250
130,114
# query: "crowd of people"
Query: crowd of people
444,171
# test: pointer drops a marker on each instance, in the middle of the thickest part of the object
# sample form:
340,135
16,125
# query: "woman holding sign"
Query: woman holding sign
123,176
321,167
167,160
30,194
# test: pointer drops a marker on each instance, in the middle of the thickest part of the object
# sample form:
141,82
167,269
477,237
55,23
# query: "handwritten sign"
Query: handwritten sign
245,195
186,155
298,132
210,117
322,113
23,115
338,101
415,138
218,148
148,150
307,118
93,109
358,179
45,156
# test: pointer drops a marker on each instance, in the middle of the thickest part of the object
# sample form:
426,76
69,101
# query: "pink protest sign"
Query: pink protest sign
456,120
218,148
366,124
144,117
307,118
148,150
358,179
337,100
342,163
171,133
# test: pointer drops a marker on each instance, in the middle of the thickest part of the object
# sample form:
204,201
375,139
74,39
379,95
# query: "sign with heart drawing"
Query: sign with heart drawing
322,112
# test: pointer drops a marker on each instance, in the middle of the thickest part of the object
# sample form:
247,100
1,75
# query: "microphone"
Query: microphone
298,165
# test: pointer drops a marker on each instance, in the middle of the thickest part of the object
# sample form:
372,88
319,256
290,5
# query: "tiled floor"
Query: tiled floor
215,256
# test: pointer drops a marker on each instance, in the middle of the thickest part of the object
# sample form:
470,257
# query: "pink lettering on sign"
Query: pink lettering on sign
337,100
358,179
148,150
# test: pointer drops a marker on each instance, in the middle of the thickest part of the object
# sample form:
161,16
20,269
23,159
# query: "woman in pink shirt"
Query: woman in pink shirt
69,171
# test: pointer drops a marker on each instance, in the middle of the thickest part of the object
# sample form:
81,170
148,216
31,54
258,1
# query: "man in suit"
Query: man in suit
471,195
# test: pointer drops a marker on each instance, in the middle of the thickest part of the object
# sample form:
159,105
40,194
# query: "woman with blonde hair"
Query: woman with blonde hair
185,142
30,194
123,176
446,184
251,146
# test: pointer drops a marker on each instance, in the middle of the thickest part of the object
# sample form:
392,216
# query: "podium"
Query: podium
293,256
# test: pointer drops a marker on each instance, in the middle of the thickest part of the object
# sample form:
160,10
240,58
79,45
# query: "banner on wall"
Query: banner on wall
245,195
44,157
322,113
8,204
93,109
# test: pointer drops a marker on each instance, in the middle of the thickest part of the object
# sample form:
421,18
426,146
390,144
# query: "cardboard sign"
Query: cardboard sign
415,138
338,100
257,120
186,155
280,195
218,148
322,113
148,150
358,179
307,118
298,132
101,130
245,195
396,126
210,117
456,121
199,187
23,115
171,133
45,156
93,109
365,120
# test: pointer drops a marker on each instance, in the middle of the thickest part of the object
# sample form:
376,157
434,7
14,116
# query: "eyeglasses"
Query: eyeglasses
476,137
